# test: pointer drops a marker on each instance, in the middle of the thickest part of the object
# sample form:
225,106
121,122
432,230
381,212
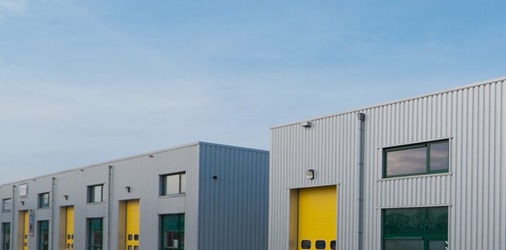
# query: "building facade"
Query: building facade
197,196
421,173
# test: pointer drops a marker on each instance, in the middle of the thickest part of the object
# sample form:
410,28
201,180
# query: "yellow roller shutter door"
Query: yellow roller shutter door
317,218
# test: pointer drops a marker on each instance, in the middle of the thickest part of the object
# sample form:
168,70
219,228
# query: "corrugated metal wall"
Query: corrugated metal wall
471,117
140,173
241,212
234,204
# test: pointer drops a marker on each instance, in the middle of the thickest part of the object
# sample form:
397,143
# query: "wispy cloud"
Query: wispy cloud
15,7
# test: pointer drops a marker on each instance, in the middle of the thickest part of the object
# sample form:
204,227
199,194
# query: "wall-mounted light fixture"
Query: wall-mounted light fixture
306,124
310,174
151,156
66,197
215,177
128,188
22,203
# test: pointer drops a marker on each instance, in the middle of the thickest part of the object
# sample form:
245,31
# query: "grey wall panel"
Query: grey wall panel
142,175
233,207
330,148
236,214
471,117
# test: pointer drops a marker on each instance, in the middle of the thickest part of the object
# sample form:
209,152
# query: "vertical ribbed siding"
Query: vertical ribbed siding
233,208
330,148
472,118
142,175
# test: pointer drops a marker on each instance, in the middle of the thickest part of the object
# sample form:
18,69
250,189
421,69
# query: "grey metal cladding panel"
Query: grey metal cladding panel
473,119
233,207
142,175
330,148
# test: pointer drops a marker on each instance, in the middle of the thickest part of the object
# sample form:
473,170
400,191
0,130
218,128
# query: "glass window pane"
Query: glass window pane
97,194
439,156
437,245
172,231
172,184
403,244
437,221
95,235
183,183
43,235
403,222
6,205
406,161
6,239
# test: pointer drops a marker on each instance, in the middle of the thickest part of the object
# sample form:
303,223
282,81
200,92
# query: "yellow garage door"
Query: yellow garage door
69,229
132,225
26,224
317,218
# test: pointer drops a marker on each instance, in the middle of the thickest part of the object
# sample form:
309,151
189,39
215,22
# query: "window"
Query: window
96,193
95,234
415,228
23,190
172,232
6,233
173,184
416,159
43,235
6,205
44,200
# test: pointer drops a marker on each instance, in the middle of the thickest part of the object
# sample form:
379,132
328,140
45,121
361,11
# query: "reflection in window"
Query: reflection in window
44,200
333,245
415,228
305,244
172,231
173,184
422,158
95,234
6,236
6,205
95,193
320,244
43,235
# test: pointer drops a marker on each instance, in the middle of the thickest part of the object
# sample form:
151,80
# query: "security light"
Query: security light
310,174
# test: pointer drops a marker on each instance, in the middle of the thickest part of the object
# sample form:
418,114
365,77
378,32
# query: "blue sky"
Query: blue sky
87,81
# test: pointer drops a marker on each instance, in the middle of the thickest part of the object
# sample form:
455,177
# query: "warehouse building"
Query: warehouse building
421,173
197,196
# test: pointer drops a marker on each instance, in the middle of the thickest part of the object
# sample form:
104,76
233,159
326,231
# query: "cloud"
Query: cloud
15,7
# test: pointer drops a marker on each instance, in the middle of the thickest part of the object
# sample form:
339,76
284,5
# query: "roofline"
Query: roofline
110,162
467,86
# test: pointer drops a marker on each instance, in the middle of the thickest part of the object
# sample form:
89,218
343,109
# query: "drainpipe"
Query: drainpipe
361,118
13,214
53,207
109,208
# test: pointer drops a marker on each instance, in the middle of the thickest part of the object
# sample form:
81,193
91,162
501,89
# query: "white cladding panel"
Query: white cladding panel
471,118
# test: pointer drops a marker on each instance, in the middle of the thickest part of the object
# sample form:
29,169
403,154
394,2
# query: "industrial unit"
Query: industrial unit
197,196
422,173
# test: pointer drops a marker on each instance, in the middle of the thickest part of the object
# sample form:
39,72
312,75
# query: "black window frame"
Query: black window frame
182,186
43,238
427,146
178,232
94,233
6,235
41,200
6,209
91,198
